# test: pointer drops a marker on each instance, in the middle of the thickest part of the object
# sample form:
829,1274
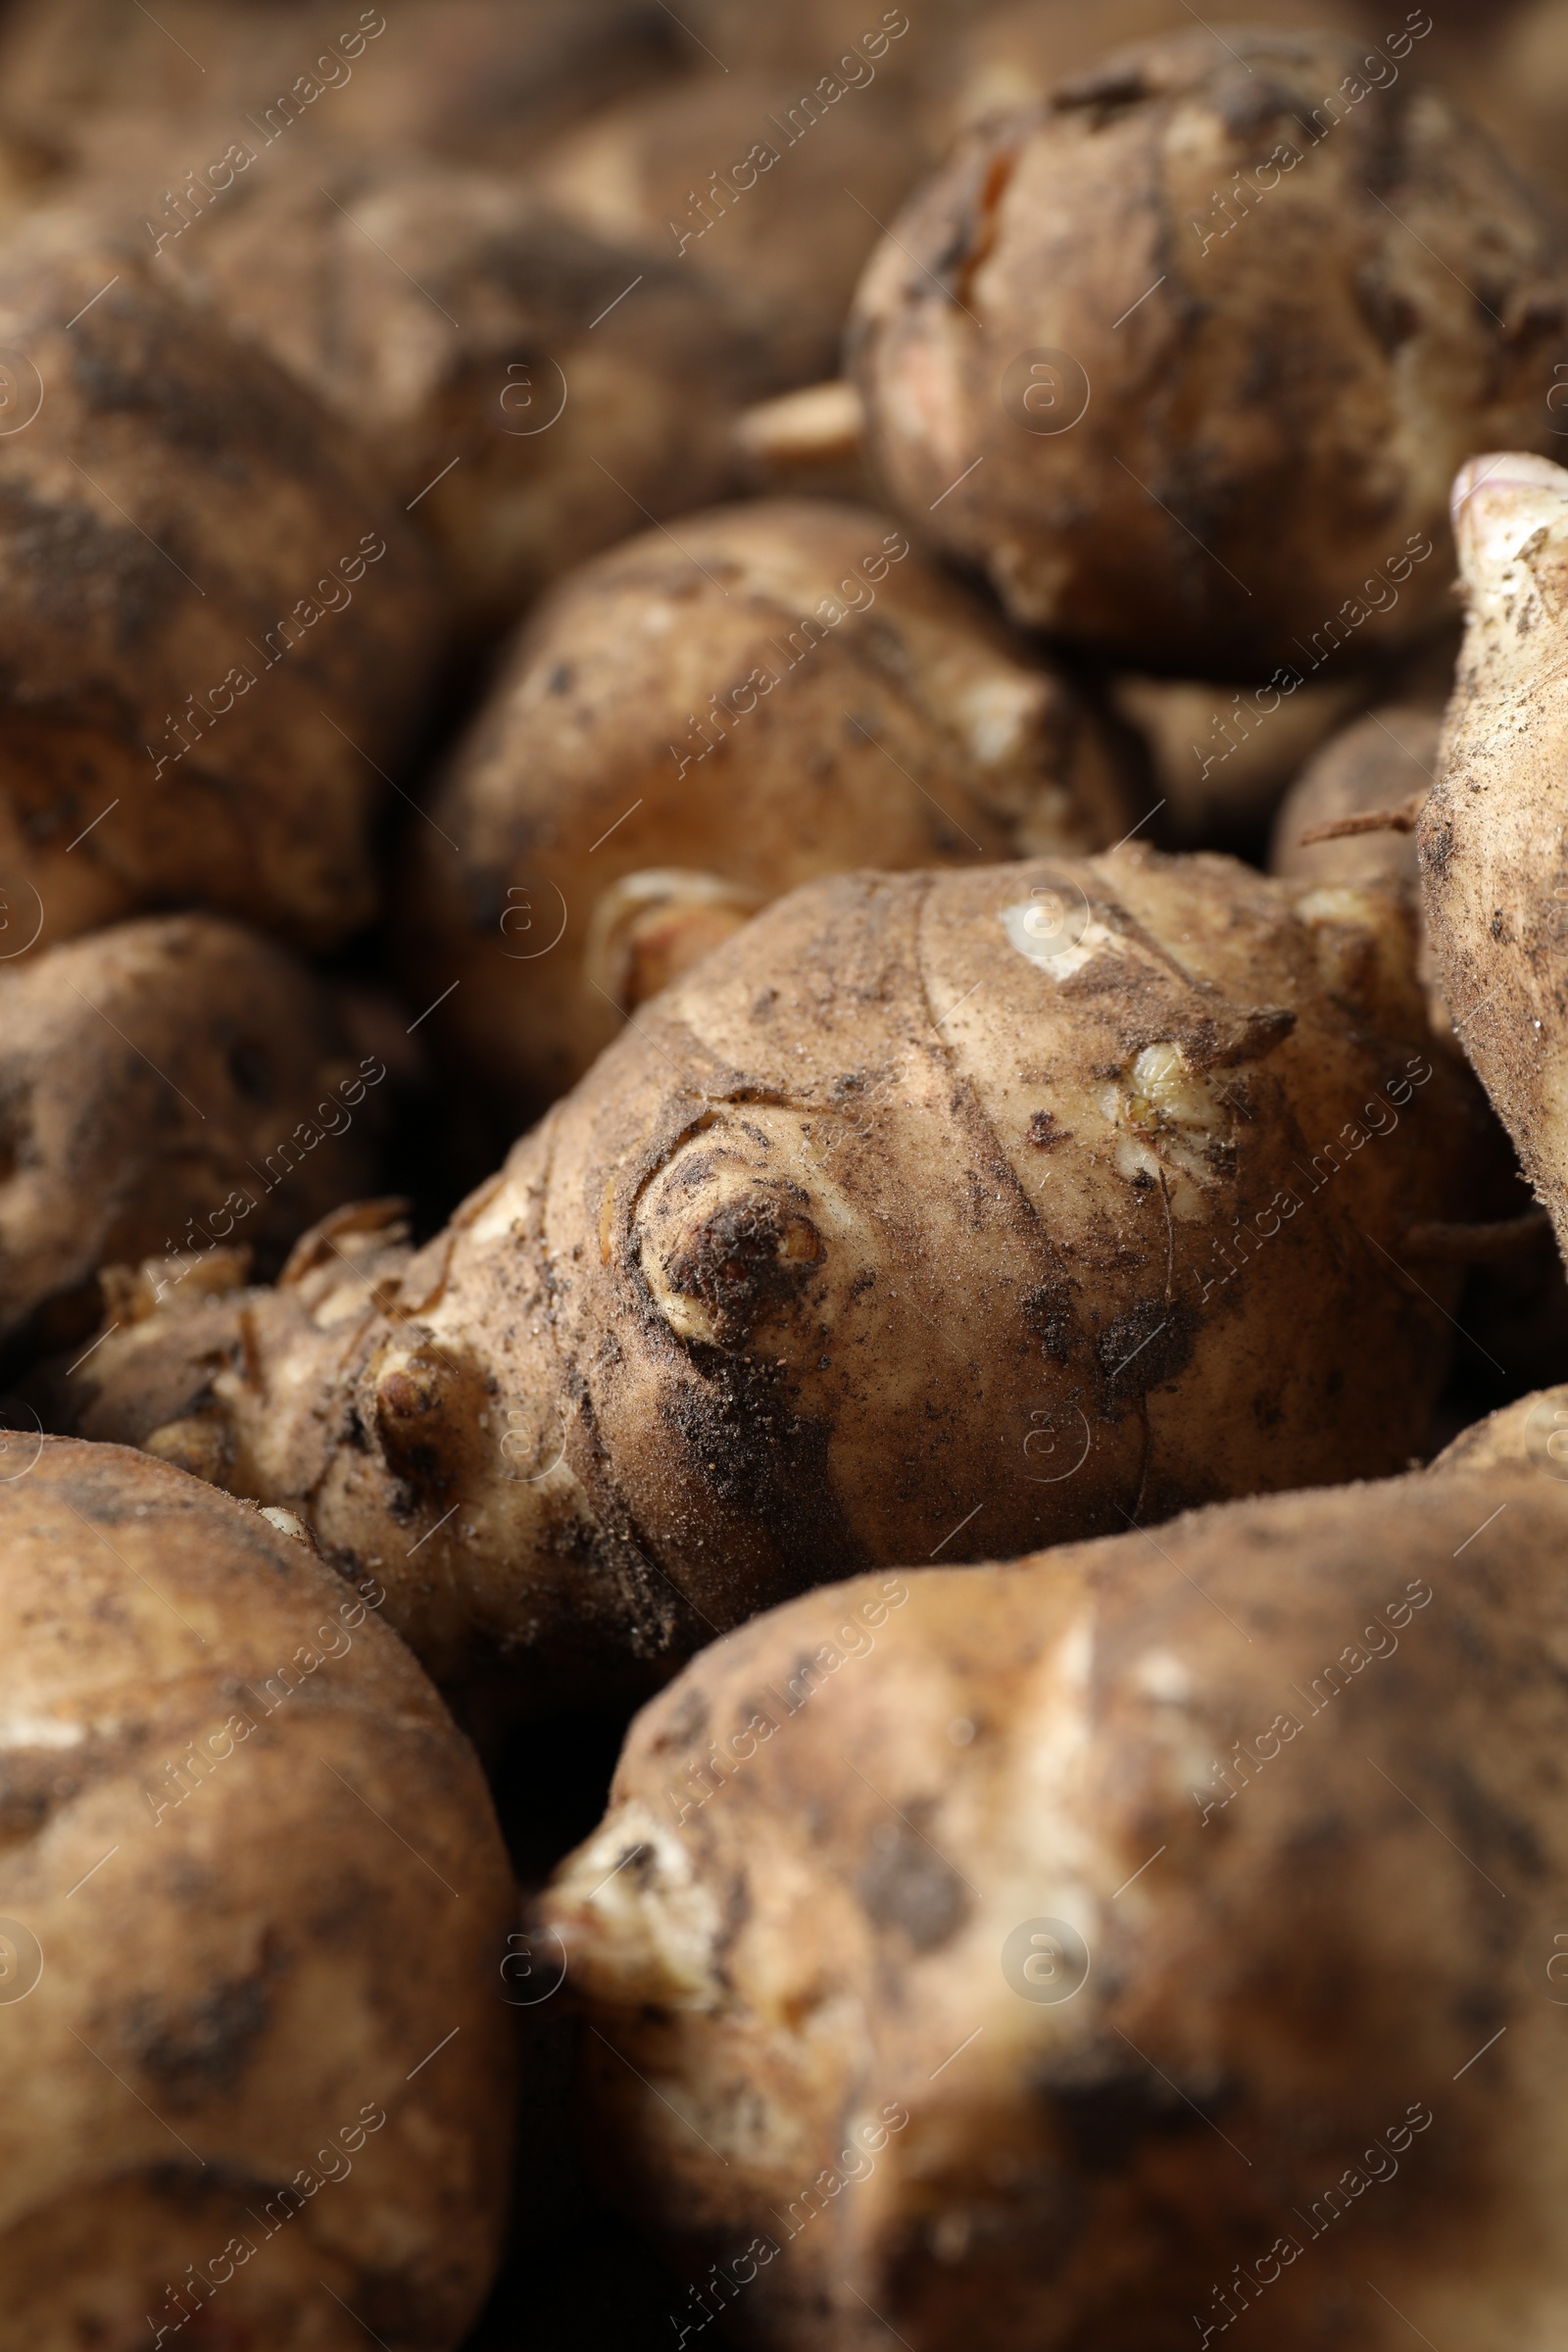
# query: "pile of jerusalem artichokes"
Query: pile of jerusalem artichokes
783,1175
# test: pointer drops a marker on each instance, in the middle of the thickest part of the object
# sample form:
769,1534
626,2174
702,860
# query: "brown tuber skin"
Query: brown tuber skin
164,1084
532,389
813,38
1017,54
1220,757
1524,89
1379,768
261,1873
772,227
1349,820
474,80
1249,475
213,623
940,1212
687,731
1085,1950
1494,834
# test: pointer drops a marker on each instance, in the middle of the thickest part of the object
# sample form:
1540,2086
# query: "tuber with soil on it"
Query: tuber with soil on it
1351,816
1351,819
1143,354
175,1083
1089,1949
1493,833
216,628
253,1899
533,390
684,731
932,1213
1019,55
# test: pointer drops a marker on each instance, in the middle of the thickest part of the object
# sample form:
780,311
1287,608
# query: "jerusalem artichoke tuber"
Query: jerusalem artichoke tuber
945,1212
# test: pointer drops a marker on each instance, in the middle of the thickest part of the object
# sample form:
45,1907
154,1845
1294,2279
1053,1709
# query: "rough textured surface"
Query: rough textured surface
1494,835
1255,273
213,1765
563,387
1016,56
786,691
1276,1794
212,623
160,1079
885,1232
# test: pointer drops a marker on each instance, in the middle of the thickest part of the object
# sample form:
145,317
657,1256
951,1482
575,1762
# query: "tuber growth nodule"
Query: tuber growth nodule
1113,1946
942,1212
1146,352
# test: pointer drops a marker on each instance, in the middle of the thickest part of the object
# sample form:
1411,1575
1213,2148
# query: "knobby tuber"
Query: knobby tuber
1221,756
950,1211
166,1084
1350,815
1089,1949
1146,353
1016,56
1493,833
687,729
